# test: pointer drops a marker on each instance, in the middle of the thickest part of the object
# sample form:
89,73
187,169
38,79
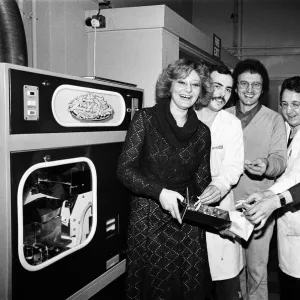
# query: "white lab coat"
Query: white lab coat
227,165
288,222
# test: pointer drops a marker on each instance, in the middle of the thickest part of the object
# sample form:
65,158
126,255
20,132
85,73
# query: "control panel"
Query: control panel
31,102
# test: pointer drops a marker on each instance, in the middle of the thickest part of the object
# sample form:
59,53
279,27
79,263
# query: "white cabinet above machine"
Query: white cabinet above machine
138,42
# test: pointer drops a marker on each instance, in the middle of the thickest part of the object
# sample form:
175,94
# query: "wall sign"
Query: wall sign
217,43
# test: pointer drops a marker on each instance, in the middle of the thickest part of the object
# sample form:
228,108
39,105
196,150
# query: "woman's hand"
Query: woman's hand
168,201
210,195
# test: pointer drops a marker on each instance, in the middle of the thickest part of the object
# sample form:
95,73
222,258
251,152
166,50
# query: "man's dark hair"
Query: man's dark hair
291,84
222,69
252,66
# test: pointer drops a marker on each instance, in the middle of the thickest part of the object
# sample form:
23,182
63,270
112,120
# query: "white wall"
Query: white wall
182,7
213,16
276,36
270,30
138,42
61,42
55,33
133,56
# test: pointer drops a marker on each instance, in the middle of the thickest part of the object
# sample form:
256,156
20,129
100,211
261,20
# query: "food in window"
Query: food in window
90,107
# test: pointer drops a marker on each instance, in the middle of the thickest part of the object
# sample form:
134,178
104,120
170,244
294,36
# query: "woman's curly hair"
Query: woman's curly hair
180,69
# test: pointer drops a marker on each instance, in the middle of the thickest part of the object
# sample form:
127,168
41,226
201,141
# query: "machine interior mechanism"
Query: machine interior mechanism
57,205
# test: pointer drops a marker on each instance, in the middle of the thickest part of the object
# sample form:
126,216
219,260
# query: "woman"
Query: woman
166,150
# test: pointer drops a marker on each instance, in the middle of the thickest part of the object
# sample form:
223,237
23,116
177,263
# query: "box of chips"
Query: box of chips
205,215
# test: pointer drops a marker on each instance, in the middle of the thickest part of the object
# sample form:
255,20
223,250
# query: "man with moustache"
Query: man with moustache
227,162
265,159
284,195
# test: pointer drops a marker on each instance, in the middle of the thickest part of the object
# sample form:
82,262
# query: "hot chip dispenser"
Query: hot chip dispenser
63,217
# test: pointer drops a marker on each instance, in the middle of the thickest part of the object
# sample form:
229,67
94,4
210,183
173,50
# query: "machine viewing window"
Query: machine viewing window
56,210
75,106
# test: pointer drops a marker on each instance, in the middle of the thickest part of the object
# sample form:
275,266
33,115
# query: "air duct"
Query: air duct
13,47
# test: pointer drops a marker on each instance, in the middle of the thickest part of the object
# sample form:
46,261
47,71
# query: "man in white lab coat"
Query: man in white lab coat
277,196
227,164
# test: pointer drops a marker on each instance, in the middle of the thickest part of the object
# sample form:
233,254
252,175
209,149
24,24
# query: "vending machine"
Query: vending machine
64,213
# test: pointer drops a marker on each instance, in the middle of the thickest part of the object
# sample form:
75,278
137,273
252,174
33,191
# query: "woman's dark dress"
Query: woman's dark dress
165,260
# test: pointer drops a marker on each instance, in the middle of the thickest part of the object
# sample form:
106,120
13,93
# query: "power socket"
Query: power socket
98,21
95,23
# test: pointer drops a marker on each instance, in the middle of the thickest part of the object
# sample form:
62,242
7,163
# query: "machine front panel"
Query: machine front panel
41,103
61,279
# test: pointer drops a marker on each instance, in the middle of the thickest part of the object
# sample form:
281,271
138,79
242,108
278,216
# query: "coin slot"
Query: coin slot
112,261
111,227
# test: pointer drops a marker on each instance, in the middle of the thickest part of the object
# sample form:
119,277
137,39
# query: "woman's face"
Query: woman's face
185,92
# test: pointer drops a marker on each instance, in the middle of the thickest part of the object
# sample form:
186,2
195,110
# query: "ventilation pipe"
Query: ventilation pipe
13,48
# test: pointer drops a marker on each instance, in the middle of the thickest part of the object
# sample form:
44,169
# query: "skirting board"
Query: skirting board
99,283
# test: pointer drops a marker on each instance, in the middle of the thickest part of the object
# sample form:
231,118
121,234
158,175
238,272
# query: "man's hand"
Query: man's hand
256,197
210,195
256,167
259,212
168,201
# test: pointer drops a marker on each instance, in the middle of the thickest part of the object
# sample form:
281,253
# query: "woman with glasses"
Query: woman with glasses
265,159
166,150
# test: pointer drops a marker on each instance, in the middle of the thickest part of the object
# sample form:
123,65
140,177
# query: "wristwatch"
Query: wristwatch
282,199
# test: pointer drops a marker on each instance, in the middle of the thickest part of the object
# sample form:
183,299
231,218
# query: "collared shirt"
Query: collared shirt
292,134
246,117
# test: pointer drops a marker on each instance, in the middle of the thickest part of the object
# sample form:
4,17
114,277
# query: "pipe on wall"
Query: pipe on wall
237,17
34,40
13,48
240,29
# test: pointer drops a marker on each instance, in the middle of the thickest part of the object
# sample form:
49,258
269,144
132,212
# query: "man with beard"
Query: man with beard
265,159
227,163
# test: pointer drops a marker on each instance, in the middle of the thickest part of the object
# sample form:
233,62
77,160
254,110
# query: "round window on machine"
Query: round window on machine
56,210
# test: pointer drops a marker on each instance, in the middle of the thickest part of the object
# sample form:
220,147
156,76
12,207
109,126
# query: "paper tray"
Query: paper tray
206,215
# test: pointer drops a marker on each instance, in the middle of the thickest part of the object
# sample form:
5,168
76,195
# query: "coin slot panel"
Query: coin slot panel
112,226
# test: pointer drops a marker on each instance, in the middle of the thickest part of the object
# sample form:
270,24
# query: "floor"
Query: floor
115,290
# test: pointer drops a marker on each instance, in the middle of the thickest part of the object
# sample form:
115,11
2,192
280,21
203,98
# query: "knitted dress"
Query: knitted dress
165,260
